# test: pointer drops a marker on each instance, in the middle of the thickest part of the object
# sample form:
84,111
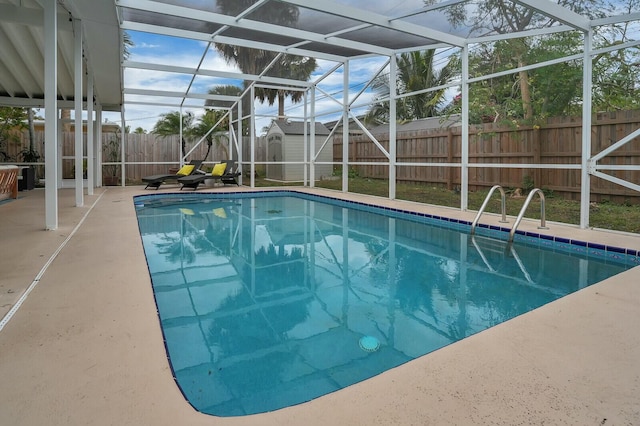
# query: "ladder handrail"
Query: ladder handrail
524,208
503,206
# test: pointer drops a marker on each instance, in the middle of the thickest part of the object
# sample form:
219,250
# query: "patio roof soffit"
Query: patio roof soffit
31,17
23,67
20,102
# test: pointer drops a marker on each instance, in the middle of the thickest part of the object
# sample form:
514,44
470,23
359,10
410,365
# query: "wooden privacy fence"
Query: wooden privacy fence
559,141
141,150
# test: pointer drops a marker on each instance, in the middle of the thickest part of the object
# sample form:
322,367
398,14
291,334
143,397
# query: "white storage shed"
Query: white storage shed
285,143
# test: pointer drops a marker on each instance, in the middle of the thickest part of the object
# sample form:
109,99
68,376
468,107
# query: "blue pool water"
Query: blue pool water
268,300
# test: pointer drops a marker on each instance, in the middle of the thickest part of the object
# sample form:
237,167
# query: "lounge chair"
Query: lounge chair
226,174
190,169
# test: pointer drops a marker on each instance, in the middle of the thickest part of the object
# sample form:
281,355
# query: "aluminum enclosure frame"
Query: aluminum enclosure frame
343,43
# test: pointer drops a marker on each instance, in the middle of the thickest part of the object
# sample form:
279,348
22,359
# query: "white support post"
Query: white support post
585,178
123,143
239,138
90,138
345,127
51,113
306,138
464,171
98,136
313,154
77,94
252,136
393,75
180,141
60,150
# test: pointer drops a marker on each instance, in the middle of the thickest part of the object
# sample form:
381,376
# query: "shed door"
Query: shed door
274,171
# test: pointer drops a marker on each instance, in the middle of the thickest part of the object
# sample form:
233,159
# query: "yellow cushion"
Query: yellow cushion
186,169
220,213
187,211
218,169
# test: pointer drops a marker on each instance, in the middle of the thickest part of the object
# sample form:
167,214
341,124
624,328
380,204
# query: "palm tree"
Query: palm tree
127,44
212,116
206,123
415,72
253,61
169,124
292,67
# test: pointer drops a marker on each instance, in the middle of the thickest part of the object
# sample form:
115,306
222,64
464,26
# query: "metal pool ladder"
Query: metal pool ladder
524,208
504,210
503,207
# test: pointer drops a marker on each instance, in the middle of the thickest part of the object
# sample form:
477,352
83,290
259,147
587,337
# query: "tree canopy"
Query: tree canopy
12,120
415,72
254,61
530,96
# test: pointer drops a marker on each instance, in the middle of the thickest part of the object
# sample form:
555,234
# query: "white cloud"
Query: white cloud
144,45
154,50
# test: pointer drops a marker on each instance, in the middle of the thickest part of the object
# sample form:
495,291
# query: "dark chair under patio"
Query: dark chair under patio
226,172
191,169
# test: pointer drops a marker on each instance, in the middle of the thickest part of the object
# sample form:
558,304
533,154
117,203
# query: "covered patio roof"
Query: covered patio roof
22,39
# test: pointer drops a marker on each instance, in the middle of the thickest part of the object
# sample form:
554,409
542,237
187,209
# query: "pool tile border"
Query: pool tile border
613,252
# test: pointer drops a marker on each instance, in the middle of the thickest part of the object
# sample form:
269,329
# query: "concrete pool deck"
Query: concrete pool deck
85,347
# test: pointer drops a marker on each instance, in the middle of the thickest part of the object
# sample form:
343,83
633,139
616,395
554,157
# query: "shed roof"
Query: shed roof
289,127
429,123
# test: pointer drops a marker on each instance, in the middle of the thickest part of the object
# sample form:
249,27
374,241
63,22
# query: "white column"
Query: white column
123,143
60,149
240,140
464,171
393,75
180,141
51,113
98,136
90,138
306,138
585,179
345,127
77,94
312,146
252,135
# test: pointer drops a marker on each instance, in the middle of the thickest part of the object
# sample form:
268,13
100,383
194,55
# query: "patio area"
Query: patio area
85,347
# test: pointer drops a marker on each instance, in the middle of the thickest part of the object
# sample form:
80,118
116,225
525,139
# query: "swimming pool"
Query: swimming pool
271,299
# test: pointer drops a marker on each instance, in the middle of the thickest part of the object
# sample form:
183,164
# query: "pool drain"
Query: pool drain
369,343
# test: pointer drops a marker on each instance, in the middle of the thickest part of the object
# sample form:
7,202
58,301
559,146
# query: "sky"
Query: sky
158,49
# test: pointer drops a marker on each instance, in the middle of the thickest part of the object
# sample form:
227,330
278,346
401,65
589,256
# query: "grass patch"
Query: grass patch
605,215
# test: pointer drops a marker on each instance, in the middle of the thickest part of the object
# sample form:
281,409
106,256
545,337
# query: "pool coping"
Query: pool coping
85,347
